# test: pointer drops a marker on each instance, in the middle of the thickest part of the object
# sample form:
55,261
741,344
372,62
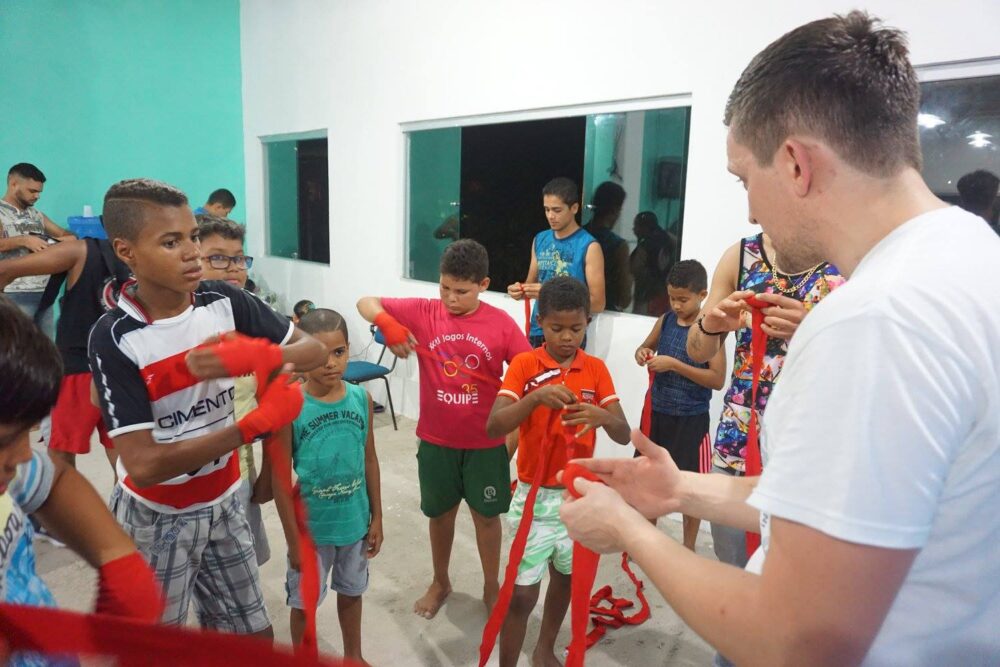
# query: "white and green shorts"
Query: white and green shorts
548,541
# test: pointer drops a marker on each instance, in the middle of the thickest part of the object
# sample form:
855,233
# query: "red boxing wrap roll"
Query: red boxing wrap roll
127,588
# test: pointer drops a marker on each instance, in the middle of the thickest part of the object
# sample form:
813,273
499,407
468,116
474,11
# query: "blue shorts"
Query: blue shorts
347,568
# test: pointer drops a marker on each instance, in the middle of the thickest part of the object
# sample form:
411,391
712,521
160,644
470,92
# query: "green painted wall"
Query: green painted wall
102,90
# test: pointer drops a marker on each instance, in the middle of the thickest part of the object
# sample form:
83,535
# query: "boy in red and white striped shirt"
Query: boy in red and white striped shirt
167,400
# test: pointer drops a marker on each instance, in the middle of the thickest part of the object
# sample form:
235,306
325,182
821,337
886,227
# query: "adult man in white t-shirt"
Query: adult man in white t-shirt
878,502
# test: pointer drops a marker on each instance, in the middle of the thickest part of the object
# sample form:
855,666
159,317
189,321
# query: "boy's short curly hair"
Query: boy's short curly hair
466,259
688,274
564,188
323,320
210,225
562,294
30,368
302,307
127,202
222,196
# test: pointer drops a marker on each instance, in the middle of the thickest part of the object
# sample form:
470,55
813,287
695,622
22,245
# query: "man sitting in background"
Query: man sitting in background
24,232
220,203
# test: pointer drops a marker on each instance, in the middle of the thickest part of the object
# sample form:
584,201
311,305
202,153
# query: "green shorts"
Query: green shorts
447,475
548,541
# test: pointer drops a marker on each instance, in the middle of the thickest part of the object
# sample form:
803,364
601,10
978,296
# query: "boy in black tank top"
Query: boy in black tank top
92,274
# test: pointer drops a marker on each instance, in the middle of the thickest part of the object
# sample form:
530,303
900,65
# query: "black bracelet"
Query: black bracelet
701,328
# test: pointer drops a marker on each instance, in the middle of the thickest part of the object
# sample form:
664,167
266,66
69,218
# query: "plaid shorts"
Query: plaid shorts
207,554
548,541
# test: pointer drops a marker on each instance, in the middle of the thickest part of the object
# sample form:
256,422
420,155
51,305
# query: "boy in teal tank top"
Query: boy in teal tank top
331,447
565,249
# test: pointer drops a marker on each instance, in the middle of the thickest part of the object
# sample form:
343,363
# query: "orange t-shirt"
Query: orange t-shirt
587,377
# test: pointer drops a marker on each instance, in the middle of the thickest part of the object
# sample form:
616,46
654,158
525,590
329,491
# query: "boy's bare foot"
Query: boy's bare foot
544,660
357,660
431,602
490,595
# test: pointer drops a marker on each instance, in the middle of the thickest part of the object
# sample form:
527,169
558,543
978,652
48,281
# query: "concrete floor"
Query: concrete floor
392,634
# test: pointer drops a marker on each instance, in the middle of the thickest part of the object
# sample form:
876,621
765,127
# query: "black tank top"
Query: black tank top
94,293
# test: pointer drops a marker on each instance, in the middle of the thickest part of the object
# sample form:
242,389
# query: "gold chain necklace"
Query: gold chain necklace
794,289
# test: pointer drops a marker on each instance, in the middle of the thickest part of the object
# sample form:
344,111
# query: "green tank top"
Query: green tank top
328,454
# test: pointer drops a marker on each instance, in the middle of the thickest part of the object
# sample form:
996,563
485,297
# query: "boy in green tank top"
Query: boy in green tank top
331,447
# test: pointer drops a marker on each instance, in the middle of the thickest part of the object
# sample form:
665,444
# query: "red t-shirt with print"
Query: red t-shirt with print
454,406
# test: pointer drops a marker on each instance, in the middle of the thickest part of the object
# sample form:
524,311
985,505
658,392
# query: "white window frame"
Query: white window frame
545,113
266,139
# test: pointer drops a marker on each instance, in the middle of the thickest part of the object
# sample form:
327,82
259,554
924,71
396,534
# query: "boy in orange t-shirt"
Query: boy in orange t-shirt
558,376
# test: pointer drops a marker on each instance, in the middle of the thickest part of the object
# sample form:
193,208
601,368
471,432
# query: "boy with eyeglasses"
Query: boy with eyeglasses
222,258
222,255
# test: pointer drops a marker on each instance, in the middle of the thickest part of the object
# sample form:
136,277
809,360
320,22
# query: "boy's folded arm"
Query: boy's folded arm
617,425
710,377
369,307
594,271
303,351
76,515
149,463
57,259
507,415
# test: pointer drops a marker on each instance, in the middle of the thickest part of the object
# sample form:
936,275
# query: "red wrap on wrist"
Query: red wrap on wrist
574,470
394,332
242,355
278,405
127,588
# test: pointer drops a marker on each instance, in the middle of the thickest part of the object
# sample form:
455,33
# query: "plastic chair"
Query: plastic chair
363,371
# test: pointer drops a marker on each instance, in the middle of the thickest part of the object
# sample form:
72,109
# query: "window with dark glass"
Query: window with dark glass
485,182
959,134
298,199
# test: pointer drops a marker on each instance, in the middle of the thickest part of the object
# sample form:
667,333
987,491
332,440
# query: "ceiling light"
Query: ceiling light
979,139
929,120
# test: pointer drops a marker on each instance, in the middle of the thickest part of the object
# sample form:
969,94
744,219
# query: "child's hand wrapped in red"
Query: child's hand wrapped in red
127,588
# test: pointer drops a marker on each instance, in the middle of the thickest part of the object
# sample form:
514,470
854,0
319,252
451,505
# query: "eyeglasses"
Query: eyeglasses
223,261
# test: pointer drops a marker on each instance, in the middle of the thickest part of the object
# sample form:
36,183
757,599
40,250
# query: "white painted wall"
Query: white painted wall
362,68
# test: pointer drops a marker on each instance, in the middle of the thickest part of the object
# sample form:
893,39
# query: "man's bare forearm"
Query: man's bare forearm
702,348
720,499
718,601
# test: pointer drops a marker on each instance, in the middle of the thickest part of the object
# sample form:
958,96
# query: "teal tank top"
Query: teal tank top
560,257
328,454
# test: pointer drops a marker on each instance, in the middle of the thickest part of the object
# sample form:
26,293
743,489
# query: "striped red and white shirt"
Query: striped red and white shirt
144,383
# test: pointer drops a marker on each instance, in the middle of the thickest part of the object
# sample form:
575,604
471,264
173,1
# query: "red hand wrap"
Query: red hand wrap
394,332
127,588
753,465
574,470
278,405
242,355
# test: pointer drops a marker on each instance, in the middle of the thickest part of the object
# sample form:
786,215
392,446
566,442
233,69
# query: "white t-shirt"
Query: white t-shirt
885,431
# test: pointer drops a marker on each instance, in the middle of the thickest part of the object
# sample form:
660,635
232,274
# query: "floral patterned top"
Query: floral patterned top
756,274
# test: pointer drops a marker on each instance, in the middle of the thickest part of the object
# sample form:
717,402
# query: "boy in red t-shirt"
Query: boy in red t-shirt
558,376
456,459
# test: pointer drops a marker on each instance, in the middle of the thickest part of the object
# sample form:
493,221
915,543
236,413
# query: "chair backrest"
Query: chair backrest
380,339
